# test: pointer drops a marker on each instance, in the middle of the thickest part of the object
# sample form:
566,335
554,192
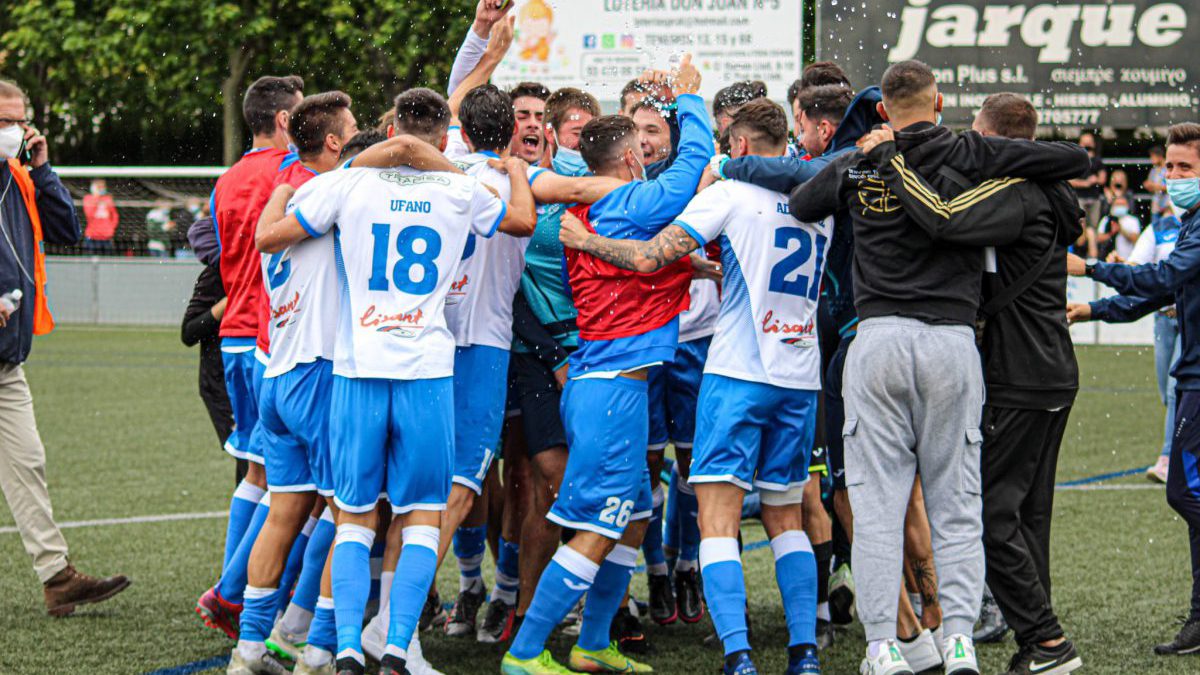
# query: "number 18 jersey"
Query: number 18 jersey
399,236
766,329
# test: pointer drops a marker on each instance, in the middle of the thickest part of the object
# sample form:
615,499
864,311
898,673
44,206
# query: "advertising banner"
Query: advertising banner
1122,64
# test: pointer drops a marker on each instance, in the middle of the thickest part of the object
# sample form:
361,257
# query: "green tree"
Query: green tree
137,81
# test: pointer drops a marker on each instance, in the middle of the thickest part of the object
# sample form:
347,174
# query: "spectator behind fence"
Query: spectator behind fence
160,226
102,218
1156,182
1119,231
34,206
1090,188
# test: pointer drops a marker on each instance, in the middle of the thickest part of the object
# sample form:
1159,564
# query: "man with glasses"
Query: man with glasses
34,207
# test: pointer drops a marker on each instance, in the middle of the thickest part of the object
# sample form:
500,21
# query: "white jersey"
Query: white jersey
479,306
766,329
302,289
400,234
700,319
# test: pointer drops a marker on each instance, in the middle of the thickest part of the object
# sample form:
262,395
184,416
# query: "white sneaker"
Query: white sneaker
889,661
922,652
286,645
939,639
416,663
303,667
263,665
959,656
1158,472
374,637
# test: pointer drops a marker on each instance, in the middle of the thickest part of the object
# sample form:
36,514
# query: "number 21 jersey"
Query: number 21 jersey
766,329
399,236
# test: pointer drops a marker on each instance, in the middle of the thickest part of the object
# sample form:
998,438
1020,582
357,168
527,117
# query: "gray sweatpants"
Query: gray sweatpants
914,396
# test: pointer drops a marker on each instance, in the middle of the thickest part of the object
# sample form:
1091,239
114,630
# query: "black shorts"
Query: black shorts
533,398
835,416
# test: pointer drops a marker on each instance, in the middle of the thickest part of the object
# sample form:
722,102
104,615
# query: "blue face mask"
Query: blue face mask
1185,192
568,162
1120,211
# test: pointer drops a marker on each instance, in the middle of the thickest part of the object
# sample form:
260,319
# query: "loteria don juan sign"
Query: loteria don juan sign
1090,64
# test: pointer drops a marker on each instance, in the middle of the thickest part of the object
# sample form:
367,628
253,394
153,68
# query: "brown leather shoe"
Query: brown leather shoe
69,588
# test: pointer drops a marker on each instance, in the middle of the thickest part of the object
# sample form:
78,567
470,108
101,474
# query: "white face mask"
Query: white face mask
11,138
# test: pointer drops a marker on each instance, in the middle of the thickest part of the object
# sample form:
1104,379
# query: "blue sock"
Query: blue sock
258,614
671,520
725,591
566,579
308,586
469,545
689,526
322,632
241,510
233,579
351,586
652,545
294,564
796,572
507,572
605,596
410,586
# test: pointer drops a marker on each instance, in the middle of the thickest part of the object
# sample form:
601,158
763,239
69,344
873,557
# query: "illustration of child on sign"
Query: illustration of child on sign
535,30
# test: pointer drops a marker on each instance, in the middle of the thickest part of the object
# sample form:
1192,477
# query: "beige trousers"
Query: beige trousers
23,475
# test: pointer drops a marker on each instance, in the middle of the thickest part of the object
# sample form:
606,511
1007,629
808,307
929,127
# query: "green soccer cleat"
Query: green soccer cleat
608,660
542,664
285,646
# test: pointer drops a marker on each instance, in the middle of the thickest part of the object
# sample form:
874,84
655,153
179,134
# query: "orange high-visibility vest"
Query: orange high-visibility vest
43,323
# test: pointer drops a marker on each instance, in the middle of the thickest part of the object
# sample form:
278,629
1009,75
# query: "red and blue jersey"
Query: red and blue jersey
635,322
291,172
237,201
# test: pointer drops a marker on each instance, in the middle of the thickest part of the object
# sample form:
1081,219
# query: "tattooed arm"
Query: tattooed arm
666,247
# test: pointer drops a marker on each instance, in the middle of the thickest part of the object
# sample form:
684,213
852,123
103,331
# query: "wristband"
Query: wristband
717,165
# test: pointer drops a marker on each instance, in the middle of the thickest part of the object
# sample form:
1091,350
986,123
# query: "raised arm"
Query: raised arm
778,174
277,231
497,46
673,243
1148,281
404,150
487,14
981,216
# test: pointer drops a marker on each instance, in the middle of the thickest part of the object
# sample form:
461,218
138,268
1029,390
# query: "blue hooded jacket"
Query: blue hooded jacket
1145,288
785,174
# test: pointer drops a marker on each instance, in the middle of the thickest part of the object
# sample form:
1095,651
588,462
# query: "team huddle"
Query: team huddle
593,288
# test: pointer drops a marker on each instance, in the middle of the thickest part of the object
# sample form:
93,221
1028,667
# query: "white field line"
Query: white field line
1120,486
161,518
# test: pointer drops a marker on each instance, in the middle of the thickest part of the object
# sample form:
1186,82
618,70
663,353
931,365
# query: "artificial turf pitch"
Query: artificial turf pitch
126,436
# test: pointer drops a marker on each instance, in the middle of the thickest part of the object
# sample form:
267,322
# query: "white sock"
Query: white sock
251,651
469,583
682,565
823,611
385,590
295,621
658,569
316,657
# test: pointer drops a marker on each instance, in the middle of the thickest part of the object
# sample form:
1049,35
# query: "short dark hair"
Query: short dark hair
314,117
905,81
423,113
737,94
487,117
265,97
1158,150
361,141
827,102
1009,115
564,100
822,73
1186,133
762,121
532,89
603,139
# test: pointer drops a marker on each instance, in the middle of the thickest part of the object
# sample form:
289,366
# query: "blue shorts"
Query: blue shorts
294,422
674,388
396,435
606,483
754,435
243,373
480,388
